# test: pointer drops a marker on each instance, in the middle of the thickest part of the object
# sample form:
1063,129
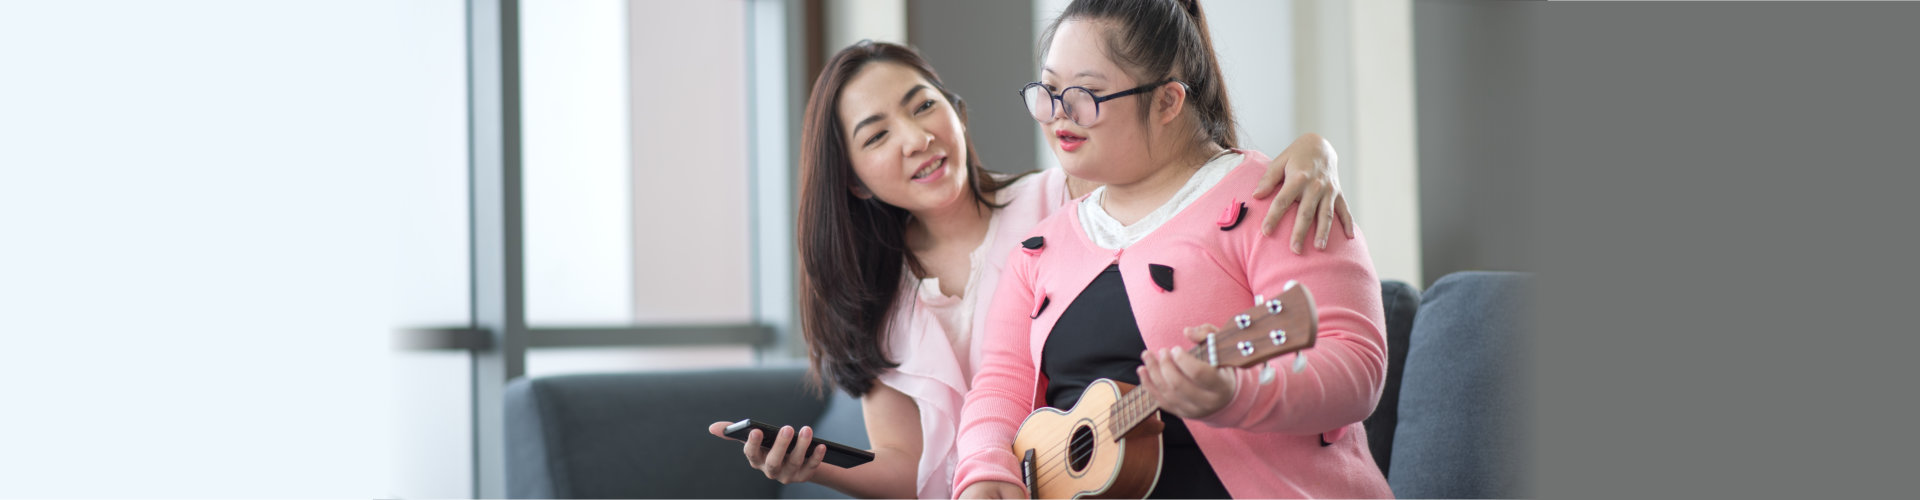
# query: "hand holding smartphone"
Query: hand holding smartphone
837,454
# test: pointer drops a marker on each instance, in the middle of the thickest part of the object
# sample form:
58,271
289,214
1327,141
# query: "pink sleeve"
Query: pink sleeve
1345,369
1002,391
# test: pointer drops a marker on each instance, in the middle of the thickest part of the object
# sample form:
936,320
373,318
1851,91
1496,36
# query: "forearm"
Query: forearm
1002,392
988,424
1341,379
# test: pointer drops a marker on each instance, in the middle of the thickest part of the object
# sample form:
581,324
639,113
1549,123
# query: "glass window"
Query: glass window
216,214
635,175
635,163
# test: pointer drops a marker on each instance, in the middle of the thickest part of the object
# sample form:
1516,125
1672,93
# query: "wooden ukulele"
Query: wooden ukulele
1108,446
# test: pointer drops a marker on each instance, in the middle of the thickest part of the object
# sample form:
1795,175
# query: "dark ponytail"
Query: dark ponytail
1155,39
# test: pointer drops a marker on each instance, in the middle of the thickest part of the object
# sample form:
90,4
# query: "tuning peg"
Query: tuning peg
1259,299
1299,361
1266,373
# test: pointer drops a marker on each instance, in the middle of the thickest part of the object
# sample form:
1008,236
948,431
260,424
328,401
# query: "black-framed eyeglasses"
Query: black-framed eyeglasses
1080,104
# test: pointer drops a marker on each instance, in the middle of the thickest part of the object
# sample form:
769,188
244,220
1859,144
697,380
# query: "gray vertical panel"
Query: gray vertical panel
1471,81
769,36
493,81
799,86
984,52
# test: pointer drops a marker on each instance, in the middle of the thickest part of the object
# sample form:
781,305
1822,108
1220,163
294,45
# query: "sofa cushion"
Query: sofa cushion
1461,423
643,435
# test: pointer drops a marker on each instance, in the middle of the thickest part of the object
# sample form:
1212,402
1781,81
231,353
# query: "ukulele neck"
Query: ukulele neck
1271,327
1137,406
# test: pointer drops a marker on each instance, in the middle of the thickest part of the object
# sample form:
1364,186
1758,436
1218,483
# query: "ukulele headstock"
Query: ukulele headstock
1272,327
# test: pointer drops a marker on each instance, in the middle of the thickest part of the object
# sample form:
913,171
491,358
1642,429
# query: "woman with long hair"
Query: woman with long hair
903,234
1131,96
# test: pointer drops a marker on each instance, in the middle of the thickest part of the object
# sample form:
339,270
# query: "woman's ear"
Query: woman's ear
1168,100
959,105
861,192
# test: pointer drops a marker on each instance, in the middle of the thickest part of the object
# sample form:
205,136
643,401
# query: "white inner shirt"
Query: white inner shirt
1110,234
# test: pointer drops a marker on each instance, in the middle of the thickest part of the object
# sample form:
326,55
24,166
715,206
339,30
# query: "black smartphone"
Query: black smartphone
837,454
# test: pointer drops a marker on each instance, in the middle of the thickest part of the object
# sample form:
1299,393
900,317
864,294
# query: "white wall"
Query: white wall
850,21
1354,62
1386,149
1254,40
687,63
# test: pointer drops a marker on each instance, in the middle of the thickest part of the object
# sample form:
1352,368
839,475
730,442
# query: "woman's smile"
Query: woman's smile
932,170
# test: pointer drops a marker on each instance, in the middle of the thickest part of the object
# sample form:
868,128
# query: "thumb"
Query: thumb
719,429
1199,333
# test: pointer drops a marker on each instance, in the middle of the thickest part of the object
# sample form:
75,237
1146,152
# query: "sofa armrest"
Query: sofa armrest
1401,303
643,435
1462,410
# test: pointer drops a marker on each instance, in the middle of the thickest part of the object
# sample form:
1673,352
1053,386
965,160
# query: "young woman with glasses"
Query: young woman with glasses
1131,96
903,234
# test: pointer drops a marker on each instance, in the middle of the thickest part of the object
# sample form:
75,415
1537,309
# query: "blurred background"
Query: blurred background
288,248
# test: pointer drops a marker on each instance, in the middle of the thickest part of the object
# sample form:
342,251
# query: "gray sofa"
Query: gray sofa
1450,423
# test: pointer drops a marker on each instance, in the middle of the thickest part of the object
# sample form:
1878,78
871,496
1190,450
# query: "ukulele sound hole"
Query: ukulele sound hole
1080,451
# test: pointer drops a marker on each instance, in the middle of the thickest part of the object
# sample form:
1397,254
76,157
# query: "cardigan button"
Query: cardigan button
1236,210
1033,245
1162,277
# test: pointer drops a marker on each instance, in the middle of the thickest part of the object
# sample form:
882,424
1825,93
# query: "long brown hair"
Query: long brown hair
852,249
1154,39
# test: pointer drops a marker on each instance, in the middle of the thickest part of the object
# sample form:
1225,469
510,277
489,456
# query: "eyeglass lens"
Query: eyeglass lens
1079,104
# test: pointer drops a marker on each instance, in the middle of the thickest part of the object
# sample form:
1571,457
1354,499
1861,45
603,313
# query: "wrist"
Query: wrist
1219,416
1232,385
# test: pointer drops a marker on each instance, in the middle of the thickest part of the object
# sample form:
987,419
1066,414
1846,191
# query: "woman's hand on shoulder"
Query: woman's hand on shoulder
786,462
1306,172
993,490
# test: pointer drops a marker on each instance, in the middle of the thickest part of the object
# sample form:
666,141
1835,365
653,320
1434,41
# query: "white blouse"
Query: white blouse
930,334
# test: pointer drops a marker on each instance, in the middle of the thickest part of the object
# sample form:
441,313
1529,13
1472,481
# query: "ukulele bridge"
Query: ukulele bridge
1026,475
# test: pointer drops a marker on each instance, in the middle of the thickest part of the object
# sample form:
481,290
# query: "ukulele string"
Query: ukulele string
1051,466
1054,453
1047,465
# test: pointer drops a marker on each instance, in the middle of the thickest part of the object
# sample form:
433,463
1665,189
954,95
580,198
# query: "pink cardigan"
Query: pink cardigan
1266,443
